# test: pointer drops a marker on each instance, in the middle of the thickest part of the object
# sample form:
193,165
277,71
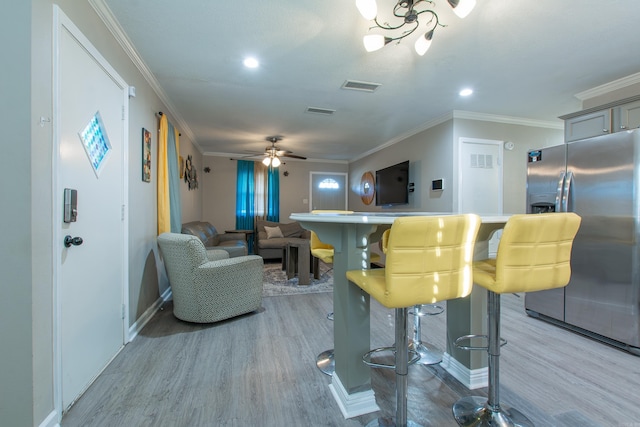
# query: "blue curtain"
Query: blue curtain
245,198
174,180
273,192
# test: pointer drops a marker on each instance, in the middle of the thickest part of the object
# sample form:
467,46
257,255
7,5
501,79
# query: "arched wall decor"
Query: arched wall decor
367,188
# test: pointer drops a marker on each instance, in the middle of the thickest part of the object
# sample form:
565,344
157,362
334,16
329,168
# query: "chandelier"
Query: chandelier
408,11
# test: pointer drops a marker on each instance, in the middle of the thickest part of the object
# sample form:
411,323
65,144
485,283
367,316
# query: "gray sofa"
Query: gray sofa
271,247
234,243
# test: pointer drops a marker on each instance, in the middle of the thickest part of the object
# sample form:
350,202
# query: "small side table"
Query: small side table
297,260
248,237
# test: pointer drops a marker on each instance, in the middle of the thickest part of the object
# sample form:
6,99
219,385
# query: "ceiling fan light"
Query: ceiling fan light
368,8
373,42
462,7
423,43
275,162
266,161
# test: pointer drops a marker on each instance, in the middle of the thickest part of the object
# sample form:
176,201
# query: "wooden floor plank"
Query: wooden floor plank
259,370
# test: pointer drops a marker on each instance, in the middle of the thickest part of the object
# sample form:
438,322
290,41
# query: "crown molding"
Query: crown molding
468,115
284,159
608,87
105,14
427,125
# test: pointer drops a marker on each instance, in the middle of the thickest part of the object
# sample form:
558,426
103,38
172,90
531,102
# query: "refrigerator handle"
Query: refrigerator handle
565,191
559,192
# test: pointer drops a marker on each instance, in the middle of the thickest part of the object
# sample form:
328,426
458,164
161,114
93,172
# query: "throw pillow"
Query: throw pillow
273,232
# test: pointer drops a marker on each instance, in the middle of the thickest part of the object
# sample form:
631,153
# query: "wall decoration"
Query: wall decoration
146,155
367,188
181,166
190,175
96,143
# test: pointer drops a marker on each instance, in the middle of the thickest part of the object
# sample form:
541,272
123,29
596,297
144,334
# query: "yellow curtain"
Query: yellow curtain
164,209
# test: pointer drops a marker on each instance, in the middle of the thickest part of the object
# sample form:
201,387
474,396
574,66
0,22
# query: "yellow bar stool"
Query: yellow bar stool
534,254
429,259
428,354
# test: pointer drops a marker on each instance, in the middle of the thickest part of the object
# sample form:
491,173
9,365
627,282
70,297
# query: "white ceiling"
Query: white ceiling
525,59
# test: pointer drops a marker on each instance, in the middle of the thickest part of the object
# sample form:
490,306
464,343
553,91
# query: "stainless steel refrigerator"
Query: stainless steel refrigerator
599,179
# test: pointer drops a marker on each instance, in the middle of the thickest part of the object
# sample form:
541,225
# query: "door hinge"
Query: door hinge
123,310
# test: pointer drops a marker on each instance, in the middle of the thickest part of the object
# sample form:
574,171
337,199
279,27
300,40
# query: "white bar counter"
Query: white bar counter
350,234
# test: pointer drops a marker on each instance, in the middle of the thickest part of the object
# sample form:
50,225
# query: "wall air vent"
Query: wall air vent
362,86
324,111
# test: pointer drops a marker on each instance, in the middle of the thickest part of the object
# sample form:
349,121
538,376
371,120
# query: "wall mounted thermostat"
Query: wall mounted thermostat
437,184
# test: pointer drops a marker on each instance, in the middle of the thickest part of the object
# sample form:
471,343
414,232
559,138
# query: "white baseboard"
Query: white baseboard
135,329
51,420
355,404
470,378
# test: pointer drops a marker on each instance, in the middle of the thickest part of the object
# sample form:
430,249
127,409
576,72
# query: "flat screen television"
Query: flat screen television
392,185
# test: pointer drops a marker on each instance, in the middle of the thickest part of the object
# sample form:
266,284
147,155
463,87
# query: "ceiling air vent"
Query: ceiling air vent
324,111
362,86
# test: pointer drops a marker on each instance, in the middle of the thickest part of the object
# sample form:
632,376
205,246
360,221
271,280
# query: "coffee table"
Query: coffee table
296,260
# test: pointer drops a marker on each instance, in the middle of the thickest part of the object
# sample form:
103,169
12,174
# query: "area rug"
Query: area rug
275,281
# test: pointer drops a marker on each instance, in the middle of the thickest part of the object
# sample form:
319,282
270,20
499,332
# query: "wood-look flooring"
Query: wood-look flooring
259,370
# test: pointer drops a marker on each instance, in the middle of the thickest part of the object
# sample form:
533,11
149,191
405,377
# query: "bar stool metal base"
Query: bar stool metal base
326,362
389,422
428,355
473,411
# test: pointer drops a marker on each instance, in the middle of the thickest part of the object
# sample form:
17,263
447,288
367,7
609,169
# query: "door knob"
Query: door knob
75,241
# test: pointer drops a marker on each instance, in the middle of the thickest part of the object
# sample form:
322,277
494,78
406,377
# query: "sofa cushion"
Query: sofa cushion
273,232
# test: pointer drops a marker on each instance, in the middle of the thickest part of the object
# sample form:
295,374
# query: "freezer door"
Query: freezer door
545,179
603,293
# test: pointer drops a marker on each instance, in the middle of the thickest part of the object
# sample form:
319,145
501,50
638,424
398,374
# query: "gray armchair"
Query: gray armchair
208,286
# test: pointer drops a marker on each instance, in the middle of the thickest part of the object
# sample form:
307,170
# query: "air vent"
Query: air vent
316,110
362,86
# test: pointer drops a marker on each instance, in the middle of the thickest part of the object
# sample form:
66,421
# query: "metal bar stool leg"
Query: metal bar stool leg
428,354
475,411
402,370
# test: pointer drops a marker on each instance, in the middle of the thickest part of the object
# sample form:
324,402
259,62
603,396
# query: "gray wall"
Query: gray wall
219,194
16,330
27,396
432,155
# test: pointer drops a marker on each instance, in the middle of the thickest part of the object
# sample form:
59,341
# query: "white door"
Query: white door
481,181
328,191
90,276
480,166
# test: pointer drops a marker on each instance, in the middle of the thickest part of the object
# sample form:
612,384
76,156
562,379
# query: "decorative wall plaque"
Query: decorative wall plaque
367,188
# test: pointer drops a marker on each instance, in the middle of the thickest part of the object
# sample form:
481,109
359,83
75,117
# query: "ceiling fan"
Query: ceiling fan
273,153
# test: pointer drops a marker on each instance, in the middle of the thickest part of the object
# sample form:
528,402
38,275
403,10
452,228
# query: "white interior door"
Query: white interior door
480,176
328,191
481,182
91,276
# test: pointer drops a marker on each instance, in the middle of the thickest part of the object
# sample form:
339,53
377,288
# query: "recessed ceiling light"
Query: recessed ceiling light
251,62
466,92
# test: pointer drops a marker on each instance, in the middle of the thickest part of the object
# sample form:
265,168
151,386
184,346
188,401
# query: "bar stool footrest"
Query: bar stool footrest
366,358
438,309
459,340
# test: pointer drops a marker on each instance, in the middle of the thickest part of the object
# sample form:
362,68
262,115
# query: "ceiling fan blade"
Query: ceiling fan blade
283,152
293,156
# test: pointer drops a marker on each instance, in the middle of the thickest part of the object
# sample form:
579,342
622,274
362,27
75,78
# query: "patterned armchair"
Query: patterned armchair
208,286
